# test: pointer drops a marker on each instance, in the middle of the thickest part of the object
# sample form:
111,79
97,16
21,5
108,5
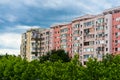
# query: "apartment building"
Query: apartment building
46,41
77,35
62,37
88,36
115,23
31,44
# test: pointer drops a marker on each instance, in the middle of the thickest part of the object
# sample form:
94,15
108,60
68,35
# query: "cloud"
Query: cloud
20,28
10,40
5,1
59,4
10,52
44,13
24,27
17,16
11,18
1,21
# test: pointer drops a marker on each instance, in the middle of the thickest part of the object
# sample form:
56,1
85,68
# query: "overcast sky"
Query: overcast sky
16,16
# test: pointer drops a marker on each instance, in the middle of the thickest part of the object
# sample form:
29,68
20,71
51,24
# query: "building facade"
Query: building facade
88,36
62,37
31,44
46,41
116,32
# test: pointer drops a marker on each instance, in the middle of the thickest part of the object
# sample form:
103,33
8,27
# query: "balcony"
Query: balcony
89,37
89,31
100,31
100,50
87,56
89,44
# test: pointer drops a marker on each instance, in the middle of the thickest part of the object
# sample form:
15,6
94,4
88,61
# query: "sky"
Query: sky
16,16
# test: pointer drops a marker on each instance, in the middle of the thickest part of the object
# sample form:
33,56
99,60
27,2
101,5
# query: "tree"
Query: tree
15,68
44,57
55,55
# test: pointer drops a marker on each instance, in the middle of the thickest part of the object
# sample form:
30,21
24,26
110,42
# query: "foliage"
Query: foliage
15,68
55,55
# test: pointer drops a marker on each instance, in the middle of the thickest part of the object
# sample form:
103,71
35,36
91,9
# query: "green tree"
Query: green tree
55,55
15,68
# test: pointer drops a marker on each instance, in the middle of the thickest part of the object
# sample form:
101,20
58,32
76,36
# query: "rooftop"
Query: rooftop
111,10
60,24
87,16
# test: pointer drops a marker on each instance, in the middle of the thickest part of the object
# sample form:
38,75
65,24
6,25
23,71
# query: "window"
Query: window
87,56
81,25
76,32
34,34
33,44
75,44
64,30
100,20
76,26
88,49
118,26
24,36
88,43
100,49
118,19
102,41
64,40
100,35
90,23
63,46
100,28
47,33
34,57
116,49
106,49
85,62
75,38
106,41
116,41
106,34
81,32
86,31
33,49
63,35
116,34
106,20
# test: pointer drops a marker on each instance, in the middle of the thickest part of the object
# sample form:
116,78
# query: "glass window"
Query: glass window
75,38
90,23
76,44
76,26
64,30
86,56
100,20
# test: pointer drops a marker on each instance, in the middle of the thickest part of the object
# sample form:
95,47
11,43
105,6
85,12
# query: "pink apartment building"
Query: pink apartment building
62,37
116,33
